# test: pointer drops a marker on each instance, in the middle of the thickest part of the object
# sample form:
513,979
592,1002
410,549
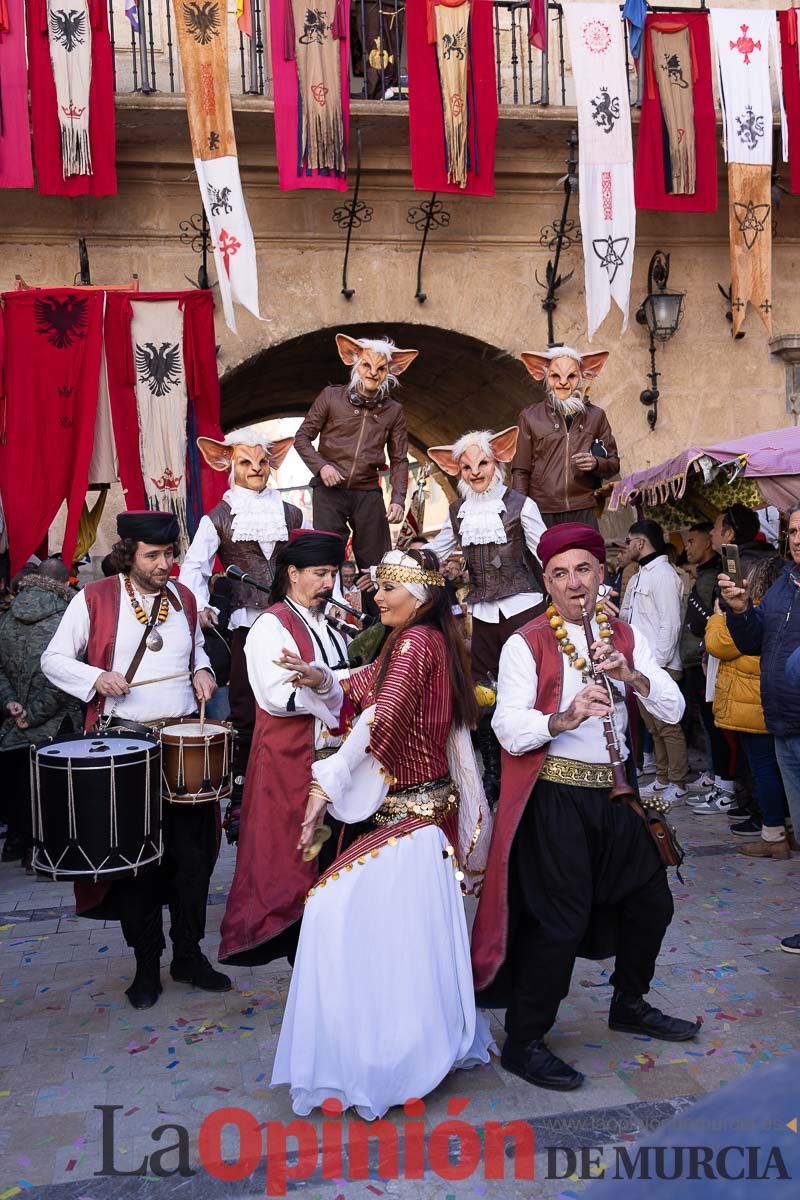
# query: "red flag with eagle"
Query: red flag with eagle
788,23
177,374
72,97
16,166
51,374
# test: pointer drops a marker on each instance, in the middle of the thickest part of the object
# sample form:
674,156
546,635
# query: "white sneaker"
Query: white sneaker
716,802
674,793
656,788
702,785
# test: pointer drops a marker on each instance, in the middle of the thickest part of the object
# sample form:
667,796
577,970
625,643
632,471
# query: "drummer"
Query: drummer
131,627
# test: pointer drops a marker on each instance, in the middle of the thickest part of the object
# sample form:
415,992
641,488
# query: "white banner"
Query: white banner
231,235
607,209
742,38
161,402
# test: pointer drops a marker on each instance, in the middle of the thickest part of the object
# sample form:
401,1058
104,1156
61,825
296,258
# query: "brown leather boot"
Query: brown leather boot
792,840
762,849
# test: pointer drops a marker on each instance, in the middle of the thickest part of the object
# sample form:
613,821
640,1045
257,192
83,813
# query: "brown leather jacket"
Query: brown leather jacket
249,555
543,468
354,438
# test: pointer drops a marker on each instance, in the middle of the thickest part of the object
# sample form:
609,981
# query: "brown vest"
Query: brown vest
248,555
498,571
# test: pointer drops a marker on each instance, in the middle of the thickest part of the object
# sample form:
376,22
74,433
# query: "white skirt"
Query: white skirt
381,1005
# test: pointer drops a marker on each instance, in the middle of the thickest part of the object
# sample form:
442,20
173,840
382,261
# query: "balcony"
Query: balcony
147,61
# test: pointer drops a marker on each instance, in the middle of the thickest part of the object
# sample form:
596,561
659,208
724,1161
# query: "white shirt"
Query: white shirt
274,693
198,565
62,661
521,727
490,611
653,605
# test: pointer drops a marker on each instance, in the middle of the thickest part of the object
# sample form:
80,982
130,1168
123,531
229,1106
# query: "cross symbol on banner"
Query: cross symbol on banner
228,245
738,304
766,307
745,45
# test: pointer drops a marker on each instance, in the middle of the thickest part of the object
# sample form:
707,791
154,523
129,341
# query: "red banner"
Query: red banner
16,168
649,178
44,110
791,91
51,373
425,119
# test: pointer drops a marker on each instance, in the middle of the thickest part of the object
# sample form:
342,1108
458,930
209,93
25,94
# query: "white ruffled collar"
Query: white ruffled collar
481,519
257,516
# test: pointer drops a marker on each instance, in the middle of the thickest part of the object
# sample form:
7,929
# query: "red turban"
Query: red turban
570,536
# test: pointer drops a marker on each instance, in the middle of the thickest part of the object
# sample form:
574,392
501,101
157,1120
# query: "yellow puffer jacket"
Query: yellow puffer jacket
737,699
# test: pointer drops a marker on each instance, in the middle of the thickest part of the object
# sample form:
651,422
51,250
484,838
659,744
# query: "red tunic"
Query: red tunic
519,774
271,880
414,709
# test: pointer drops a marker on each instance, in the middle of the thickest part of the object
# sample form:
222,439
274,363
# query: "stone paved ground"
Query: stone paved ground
70,1042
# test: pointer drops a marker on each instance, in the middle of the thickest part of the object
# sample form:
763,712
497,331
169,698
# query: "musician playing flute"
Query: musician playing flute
117,634
571,872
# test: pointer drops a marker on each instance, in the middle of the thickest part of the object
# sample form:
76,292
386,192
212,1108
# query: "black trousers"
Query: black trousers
723,745
16,767
339,510
191,844
582,870
586,516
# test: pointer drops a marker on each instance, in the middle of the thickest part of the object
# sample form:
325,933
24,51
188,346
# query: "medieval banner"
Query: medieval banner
161,403
16,166
742,39
203,44
787,21
676,156
72,97
452,95
608,215
134,365
311,70
53,340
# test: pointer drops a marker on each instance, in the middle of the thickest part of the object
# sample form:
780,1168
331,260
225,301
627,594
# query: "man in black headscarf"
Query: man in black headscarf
293,727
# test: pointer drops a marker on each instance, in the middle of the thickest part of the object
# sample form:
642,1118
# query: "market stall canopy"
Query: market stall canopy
771,460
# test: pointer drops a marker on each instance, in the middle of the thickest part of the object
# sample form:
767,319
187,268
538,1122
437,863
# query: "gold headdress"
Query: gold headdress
397,567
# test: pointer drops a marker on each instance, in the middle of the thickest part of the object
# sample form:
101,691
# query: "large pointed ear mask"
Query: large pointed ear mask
537,364
278,451
504,443
217,454
592,364
350,351
443,457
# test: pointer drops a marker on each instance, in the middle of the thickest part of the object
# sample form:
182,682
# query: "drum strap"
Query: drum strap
140,649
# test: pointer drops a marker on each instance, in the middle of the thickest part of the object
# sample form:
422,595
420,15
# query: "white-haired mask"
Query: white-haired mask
566,374
375,364
247,455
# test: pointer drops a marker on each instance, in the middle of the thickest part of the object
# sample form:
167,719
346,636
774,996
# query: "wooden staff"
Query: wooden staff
161,678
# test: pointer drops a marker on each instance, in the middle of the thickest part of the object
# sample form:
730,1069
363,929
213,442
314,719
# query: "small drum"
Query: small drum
197,763
96,805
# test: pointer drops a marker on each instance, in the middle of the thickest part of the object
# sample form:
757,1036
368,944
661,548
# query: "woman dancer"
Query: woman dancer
381,1004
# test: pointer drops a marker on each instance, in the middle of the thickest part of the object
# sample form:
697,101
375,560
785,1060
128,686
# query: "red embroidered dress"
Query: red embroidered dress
413,710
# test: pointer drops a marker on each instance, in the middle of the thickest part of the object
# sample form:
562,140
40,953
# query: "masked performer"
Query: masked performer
99,646
498,530
381,1005
292,728
246,530
566,447
570,872
358,423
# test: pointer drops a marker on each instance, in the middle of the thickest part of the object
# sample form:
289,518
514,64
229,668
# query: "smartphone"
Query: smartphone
731,564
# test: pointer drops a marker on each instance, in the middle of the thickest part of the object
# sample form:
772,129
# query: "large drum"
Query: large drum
197,760
96,805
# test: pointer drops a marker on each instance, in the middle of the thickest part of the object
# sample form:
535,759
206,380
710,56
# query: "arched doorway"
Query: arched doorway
457,383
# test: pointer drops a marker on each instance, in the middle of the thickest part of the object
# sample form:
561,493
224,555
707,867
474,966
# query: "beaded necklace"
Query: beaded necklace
138,610
561,634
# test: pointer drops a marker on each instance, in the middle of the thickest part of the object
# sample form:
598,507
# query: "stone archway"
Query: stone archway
457,383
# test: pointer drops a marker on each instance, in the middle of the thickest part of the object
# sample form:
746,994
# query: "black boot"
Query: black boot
632,1014
13,850
146,986
489,748
198,971
536,1064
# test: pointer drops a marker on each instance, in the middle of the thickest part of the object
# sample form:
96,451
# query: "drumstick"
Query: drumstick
202,715
161,679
